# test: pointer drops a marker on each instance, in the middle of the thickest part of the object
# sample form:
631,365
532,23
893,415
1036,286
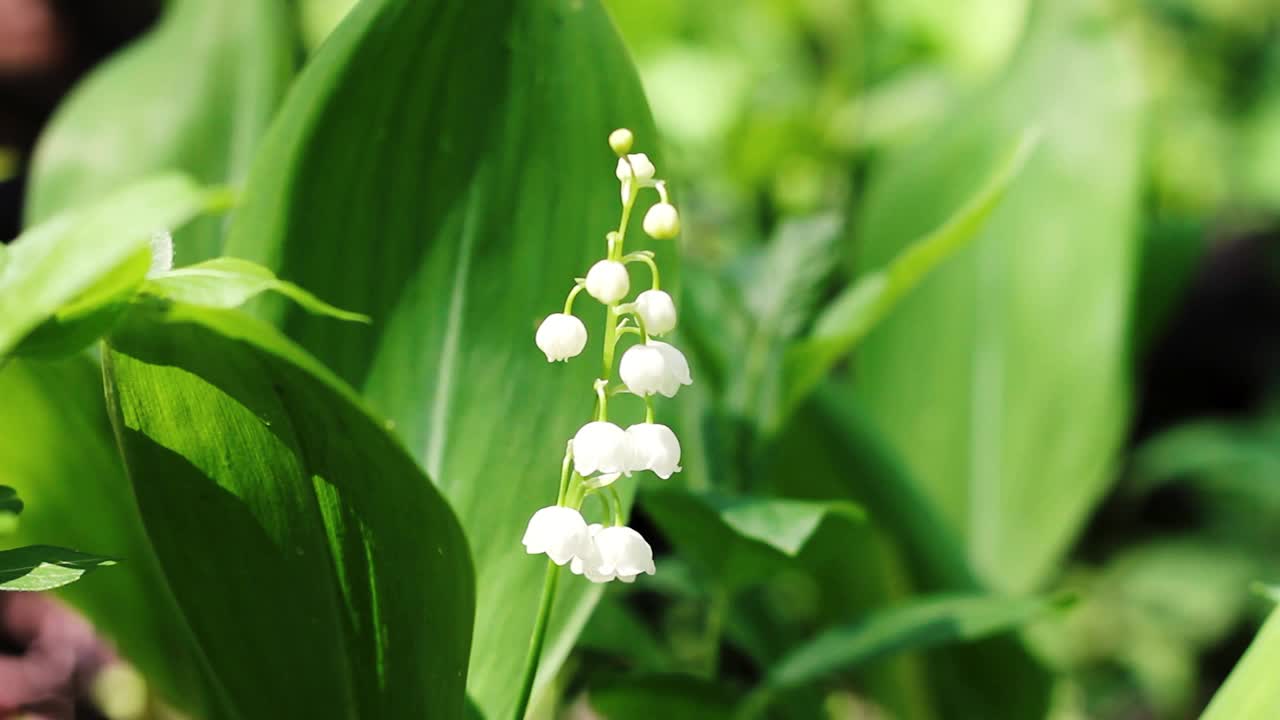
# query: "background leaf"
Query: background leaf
230,282
51,265
194,95
1251,692
456,214
1003,380
918,625
56,447
662,695
321,576
45,567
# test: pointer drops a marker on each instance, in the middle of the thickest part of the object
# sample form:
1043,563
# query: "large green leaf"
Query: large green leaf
322,573
100,250
442,168
56,448
859,307
194,95
1003,380
1251,691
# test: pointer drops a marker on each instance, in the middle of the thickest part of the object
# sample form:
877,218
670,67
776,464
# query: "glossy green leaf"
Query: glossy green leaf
57,449
1003,379
1251,692
831,450
44,567
195,95
848,319
456,212
740,540
96,251
319,568
918,625
230,282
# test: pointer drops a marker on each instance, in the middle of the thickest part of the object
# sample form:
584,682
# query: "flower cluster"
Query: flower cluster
602,451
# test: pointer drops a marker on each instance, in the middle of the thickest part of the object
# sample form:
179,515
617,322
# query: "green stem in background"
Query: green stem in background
536,640
220,199
711,634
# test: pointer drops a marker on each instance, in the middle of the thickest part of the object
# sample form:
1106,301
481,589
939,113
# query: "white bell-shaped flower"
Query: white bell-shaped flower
560,532
620,553
640,164
655,367
657,310
654,447
601,447
561,337
677,368
608,282
662,222
643,370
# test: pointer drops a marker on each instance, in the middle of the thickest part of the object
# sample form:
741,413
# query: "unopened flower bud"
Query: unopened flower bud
639,164
608,282
620,140
662,221
561,337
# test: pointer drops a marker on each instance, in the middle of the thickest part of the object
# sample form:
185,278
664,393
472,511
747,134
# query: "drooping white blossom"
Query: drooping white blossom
608,282
161,253
654,447
677,368
601,447
657,311
643,370
560,532
561,337
662,222
620,553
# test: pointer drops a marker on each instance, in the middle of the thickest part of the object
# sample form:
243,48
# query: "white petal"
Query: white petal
677,368
561,337
558,531
602,447
657,310
655,447
643,369
608,282
624,552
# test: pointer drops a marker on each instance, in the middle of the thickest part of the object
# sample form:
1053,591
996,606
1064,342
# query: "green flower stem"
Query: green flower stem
610,340
564,475
648,409
573,294
539,636
647,259
617,506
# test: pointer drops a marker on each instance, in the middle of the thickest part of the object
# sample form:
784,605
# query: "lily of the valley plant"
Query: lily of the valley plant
602,451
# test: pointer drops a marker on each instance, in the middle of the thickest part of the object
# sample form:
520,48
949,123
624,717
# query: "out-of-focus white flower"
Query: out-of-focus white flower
654,447
601,447
662,221
620,553
640,165
644,171
608,282
561,337
161,253
643,370
560,532
620,140
657,310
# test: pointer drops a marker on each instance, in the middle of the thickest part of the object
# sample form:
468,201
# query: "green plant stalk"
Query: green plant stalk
535,641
